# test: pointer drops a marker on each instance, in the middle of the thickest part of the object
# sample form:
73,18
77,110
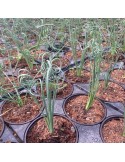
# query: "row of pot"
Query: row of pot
70,118
34,129
117,80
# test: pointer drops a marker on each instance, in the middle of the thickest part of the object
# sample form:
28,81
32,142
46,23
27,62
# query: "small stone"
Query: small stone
72,129
88,118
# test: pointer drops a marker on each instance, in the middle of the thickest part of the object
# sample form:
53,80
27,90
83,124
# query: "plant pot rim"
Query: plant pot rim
105,121
78,94
74,67
55,114
12,123
3,126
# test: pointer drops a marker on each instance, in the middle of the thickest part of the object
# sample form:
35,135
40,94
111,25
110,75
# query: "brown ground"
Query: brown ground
69,55
71,76
64,132
114,92
14,63
34,71
113,131
18,114
118,75
64,62
108,56
103,67
37,54
12,52
75,108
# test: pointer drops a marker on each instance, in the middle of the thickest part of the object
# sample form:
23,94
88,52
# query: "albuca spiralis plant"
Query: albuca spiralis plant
73,34
74,42
49,87
5,93
108,73
123,32
112,36
95,72
15,96
95,37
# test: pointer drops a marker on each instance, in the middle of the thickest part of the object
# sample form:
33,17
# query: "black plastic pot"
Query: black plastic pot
3,126
101,79
113,104
115,83
78,94
105,121
73,67
62,90
22,122
32,123
58,47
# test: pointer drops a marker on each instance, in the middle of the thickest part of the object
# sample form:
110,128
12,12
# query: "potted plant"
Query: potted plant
109,87
77,73
112,129
50,127
85,109
18,107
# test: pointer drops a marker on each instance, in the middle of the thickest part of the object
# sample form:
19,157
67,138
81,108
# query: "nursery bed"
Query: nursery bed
87,134
75,63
